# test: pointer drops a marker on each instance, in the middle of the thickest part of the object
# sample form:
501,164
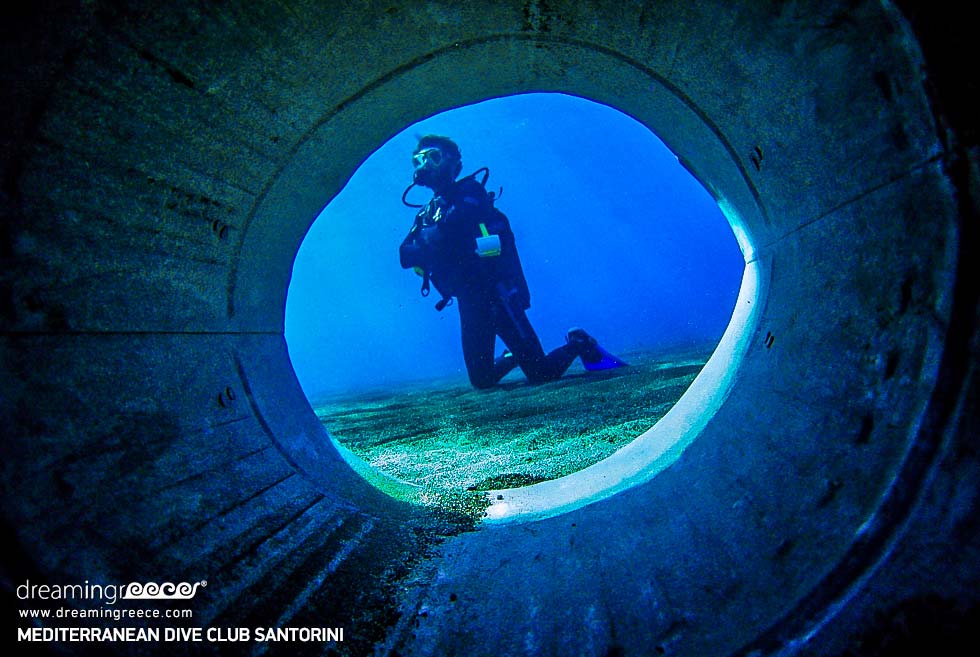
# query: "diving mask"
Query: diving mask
427,158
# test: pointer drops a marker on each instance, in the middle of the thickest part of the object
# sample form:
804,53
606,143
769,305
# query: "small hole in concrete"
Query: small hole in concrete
891,364
867,426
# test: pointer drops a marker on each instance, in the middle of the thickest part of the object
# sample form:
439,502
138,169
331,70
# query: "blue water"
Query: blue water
614,234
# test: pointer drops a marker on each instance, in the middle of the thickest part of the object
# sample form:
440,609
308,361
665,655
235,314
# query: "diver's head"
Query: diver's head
436,161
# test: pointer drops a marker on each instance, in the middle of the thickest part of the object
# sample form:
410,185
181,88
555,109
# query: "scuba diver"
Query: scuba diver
463,246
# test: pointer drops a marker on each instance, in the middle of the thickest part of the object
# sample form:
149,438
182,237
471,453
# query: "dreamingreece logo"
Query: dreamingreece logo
165,591
109,593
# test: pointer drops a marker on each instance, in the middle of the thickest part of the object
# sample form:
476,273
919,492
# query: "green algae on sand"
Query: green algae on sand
448,437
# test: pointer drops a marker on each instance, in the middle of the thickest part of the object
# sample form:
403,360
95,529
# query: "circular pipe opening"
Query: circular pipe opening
581,199
321,165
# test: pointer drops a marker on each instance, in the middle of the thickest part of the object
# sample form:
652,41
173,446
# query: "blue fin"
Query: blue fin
606,361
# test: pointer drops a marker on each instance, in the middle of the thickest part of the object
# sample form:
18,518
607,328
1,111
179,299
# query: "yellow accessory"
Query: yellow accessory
488,245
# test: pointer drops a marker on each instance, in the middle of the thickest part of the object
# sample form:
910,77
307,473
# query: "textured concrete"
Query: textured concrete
162,162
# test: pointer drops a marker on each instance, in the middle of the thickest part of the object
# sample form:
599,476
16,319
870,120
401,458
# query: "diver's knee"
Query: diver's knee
482,381
541,376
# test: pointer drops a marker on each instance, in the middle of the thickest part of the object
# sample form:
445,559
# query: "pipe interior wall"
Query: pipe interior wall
163,161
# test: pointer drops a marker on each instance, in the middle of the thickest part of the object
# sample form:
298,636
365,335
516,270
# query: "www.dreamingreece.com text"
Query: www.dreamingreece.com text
114,614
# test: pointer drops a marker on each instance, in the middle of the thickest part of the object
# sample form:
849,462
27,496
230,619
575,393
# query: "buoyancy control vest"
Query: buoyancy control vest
463,244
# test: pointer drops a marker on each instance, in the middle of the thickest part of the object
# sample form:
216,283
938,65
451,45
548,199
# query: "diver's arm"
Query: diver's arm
409,253
421,247
450,231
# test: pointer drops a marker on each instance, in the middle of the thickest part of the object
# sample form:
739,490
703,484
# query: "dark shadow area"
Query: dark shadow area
927,625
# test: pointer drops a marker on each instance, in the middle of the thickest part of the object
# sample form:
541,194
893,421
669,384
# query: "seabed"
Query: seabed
447,437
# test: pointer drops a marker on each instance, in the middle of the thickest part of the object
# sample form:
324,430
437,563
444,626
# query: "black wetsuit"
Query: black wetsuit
491,291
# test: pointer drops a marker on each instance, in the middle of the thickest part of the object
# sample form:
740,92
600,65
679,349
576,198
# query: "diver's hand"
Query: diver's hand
421,247
431,236
410,255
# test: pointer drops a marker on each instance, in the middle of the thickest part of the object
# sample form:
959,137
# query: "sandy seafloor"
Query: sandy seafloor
447,437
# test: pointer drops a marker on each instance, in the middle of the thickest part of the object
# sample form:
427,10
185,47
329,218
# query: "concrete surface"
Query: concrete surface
162,161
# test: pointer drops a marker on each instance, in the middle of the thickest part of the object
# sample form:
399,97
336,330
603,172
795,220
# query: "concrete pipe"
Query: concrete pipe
161,164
